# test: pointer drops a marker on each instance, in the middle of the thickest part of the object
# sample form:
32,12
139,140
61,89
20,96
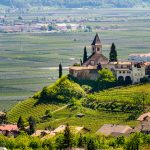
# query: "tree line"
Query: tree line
73,3
68,140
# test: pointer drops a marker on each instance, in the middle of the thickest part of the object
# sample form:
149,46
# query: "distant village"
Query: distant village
43,24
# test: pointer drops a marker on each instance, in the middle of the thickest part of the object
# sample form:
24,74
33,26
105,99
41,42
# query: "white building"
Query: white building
139,57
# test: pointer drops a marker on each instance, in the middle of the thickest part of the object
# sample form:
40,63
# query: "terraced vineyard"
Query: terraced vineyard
30,108
93,119
123,94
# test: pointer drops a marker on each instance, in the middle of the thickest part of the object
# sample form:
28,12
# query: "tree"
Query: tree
32,125
67,137
81,62
91,145
19,18
80,141
113,53
105,79
48,114
20,123
85,55
106,76
3,118
134,142
60,70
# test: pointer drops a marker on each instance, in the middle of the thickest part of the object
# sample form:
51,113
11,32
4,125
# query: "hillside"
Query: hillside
76,3
98,108
53,98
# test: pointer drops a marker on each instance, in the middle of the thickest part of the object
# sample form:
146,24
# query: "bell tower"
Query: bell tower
96,45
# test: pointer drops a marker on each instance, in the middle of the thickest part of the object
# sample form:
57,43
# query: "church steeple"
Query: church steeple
96,45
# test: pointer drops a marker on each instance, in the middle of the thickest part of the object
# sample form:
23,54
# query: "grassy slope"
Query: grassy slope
51,99
93,119
123,94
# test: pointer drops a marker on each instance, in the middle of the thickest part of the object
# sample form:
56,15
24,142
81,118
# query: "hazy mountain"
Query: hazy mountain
76,3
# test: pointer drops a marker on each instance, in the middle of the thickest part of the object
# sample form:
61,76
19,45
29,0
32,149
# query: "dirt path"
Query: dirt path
61,108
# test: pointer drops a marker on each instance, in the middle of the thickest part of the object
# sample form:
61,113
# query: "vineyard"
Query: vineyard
127,94
98,108
29,108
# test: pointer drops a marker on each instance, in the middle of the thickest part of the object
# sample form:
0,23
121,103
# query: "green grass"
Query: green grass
93,120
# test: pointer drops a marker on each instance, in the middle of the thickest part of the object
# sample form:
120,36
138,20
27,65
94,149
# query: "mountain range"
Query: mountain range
76,3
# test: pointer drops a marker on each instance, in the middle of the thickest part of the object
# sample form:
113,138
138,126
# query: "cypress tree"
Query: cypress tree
20,123
85,55
60,70
113,53
81,62
32,125
67,137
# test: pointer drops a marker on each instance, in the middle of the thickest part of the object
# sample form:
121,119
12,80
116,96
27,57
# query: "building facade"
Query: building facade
123,70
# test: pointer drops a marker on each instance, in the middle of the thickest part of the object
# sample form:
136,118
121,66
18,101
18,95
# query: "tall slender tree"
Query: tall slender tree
32,125
113,53
85,55
60,70
20,123
67,137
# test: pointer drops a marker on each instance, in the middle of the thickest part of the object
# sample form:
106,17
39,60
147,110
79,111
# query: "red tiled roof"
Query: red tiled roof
8,127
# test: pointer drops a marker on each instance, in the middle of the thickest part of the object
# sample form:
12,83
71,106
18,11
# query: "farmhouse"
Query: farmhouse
123,70
115,130
144,125
9,129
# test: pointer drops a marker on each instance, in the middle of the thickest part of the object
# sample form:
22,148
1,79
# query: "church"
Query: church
122,70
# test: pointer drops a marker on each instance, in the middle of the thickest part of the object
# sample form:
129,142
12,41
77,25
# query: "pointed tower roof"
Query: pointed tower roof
96,40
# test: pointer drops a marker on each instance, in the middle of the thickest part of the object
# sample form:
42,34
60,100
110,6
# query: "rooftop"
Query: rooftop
96,40
96,58
110,129
8,127
82,68
141,118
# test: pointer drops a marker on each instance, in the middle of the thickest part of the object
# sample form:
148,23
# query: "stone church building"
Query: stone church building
123,70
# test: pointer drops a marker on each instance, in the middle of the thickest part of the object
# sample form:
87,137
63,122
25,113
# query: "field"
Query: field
27,59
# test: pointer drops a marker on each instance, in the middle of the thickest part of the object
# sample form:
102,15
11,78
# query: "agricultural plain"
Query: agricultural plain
27,59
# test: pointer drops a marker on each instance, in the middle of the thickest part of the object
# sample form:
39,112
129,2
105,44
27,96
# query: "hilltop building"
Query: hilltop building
123,70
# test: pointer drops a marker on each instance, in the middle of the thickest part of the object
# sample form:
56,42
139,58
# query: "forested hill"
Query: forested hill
76,3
